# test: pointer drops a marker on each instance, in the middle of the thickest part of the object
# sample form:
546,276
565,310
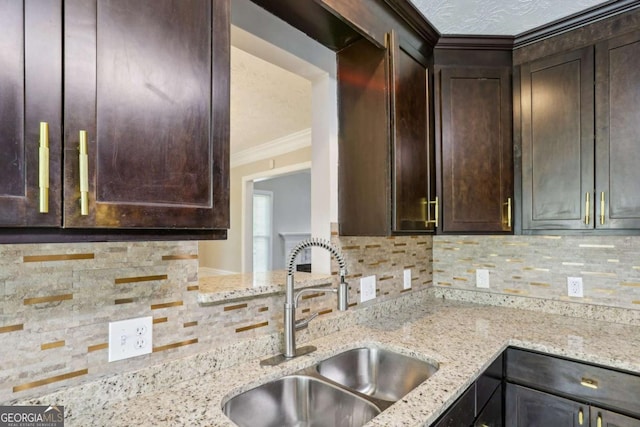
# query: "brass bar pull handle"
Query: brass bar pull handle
508,206
602,208
599,420
43,167
587,218
580,417
436,216
84,174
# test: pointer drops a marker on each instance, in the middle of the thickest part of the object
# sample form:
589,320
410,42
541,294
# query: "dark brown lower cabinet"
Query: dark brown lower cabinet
526,407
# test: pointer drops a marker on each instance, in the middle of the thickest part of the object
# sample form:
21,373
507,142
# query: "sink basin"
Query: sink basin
299,400
379,373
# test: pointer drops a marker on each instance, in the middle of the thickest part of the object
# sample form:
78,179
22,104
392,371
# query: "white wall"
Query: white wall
291,209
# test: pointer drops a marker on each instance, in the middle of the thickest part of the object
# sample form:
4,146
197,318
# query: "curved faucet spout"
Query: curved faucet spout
291,302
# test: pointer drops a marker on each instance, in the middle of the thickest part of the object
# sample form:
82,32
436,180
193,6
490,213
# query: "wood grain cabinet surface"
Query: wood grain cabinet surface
476,149
580,145
148,81
30,93
386,168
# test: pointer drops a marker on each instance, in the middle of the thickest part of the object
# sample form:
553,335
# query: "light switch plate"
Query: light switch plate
482,278
406,284
130,338
367,288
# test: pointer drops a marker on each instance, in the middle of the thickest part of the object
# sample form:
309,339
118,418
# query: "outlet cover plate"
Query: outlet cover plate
406,283
574,287
130,338
482,278
367,288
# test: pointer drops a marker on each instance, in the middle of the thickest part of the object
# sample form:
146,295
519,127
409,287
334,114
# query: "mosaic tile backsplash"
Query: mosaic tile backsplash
57,301
538,266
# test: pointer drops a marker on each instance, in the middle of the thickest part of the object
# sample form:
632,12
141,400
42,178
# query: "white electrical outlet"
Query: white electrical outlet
574,287
367,288
406,283
130,338
482,278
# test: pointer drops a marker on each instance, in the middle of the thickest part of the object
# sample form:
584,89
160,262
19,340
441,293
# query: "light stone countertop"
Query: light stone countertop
462,338
231,287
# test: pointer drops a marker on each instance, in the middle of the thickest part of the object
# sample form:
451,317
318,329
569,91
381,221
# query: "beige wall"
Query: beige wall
227,254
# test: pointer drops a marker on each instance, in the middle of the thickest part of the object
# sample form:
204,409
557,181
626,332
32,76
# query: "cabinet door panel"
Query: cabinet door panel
477,171
139,82
557,141
611,419
526,407
30,93
412,149
618,136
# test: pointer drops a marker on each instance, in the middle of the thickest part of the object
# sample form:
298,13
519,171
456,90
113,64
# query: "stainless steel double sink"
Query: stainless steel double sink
345,390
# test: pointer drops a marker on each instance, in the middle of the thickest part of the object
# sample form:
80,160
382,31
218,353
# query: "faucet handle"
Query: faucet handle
303,323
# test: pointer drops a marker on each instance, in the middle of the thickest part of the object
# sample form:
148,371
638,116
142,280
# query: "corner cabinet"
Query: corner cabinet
145,139
387,167
577,175
30,113
476,149
146,84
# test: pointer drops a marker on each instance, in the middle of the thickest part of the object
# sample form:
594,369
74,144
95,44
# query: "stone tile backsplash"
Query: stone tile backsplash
57,301
538,266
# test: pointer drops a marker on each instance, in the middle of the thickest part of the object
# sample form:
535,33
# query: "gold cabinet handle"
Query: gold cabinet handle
602,208
599,420
507,204
84,174
580,417
43,167
588,382
587,219
436,216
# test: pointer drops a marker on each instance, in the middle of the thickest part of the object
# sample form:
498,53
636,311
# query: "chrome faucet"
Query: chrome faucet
292,299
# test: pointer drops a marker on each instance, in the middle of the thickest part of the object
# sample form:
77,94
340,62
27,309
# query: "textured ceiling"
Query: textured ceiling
497,17
267,102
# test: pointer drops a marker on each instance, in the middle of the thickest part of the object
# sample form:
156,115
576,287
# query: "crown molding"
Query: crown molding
274,148
479,42
577,20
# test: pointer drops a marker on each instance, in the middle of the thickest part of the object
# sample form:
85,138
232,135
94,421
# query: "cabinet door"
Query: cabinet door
477,166
462,412
491,414
30,93
557,142
526,407
603,418
138,80
618,132
412,147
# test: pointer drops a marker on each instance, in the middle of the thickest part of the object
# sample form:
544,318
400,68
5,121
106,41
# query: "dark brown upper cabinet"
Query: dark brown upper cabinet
617,189
146,84
386,167
414,203
476,149
30,94
558,141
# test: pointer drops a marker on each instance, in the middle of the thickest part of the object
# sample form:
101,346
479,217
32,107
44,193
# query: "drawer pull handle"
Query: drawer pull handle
580,417
43,169
602,208
588,382
599,421
84,174
507,204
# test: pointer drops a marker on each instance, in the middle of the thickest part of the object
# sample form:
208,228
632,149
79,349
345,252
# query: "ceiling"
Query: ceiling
497,17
